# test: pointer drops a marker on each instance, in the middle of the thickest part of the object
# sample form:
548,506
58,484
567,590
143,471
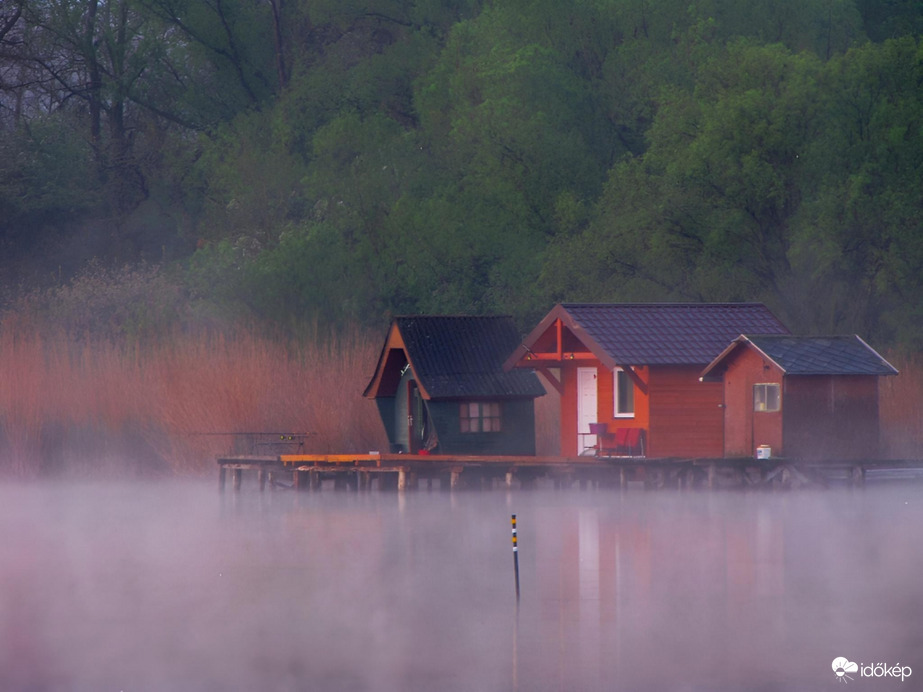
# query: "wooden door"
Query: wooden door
586,407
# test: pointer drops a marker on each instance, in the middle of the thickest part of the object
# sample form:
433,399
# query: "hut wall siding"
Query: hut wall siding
745,428
686,417
831,417
386,411
569,405
517,436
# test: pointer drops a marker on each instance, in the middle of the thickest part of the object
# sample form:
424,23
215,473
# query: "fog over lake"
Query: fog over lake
172,586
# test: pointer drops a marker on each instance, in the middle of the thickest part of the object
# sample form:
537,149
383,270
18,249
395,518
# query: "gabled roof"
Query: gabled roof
455,356
811,355
630,334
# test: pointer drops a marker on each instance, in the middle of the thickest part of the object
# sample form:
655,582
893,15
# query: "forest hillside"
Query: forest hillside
298,163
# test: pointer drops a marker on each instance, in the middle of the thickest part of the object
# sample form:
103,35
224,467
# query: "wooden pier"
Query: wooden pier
407,471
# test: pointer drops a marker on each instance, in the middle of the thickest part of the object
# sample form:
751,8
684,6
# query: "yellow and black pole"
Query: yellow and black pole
515,557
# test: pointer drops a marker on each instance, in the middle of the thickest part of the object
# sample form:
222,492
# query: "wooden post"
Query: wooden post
712,472
515,557
401,479
858,475
623,481
261,477
272,481
455,479
222,476
509,479
236,475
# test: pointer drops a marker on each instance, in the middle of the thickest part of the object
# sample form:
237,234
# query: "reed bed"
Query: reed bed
72,404
78,405
901,408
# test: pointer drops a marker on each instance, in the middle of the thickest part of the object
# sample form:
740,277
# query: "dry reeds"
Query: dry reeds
901,408
73,404
76,405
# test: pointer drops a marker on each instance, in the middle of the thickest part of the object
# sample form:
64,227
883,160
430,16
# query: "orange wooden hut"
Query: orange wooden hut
800,397
628,374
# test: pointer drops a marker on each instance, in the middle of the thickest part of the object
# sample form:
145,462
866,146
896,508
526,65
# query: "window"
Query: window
766,397
623,394
480,416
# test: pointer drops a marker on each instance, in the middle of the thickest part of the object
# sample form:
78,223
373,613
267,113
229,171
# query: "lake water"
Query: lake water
171,586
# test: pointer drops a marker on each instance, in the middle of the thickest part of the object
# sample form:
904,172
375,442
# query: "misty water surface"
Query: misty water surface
171,586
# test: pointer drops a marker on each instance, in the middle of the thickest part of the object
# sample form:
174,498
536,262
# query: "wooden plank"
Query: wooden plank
328,458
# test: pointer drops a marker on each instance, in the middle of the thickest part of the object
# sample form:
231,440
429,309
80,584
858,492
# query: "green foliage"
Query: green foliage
44,175
346,160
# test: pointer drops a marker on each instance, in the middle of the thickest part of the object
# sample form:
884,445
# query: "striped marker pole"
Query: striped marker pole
515,557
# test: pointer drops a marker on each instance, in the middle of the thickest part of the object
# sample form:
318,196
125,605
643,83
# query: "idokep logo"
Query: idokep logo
842,667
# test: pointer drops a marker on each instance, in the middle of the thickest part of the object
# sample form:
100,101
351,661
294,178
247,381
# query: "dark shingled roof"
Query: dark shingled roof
822,355
669,333
462,356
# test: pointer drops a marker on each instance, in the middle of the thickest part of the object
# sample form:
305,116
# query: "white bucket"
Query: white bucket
763,452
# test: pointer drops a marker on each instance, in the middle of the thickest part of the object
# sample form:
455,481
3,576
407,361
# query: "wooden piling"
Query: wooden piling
858,475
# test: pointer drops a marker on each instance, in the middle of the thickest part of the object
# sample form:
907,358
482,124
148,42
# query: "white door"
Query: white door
586,408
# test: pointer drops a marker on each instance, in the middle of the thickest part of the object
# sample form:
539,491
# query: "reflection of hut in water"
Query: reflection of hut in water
440,387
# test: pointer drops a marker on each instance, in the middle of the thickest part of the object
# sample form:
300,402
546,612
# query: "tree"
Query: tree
706,212
861,240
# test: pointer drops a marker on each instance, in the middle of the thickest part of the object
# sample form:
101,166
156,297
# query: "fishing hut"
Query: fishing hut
441,388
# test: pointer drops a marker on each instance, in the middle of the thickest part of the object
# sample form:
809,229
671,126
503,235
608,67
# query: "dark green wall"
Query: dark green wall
386,411
516,438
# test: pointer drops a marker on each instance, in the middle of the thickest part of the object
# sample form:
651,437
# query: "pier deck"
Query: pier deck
403,471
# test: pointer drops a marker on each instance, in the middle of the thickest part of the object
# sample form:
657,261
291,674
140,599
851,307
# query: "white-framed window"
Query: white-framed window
623,394
479,416
766,397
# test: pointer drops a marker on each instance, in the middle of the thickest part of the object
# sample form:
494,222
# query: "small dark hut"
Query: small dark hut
440,387
800,397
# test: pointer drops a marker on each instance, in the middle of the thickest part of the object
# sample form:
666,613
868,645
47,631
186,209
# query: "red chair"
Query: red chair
633,442
626,442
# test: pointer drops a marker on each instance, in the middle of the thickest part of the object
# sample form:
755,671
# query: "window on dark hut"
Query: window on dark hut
480,416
